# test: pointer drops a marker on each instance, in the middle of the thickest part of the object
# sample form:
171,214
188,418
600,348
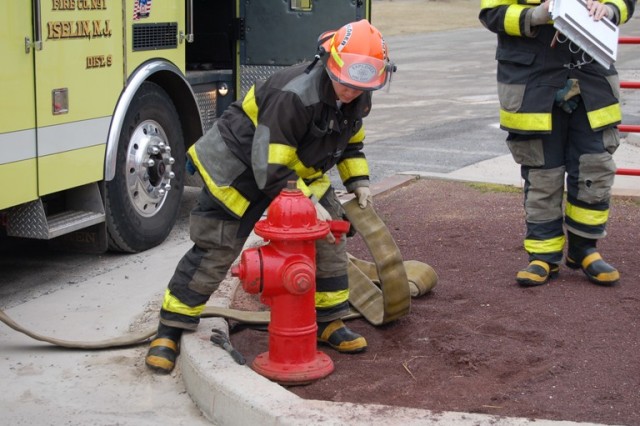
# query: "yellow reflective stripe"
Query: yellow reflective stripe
229,196
303,187
489,4
250,107
160,341
286,155
336,57
282,154
586,216
622,7
551,245
331,298
358,137
605,116
353,167
526,121
512,19
172,304
320,186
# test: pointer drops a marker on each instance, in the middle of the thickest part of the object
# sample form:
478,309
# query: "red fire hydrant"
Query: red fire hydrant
283,272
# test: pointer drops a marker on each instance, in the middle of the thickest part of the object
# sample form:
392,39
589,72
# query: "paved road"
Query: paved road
440,115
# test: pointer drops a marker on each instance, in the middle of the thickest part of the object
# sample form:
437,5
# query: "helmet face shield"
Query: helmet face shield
359,72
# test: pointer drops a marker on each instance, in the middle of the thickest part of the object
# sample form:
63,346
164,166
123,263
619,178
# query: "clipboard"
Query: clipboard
599,39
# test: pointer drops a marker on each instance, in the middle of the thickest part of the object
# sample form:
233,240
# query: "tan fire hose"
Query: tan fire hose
380,291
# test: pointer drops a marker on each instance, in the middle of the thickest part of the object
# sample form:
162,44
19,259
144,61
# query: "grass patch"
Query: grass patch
627,201
495,187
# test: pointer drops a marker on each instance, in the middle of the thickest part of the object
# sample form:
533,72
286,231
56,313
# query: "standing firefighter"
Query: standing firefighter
296,125
560,109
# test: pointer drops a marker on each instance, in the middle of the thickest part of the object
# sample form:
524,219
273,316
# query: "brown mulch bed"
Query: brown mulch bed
568,350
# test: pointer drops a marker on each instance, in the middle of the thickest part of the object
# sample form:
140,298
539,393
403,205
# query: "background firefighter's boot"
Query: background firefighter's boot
584,255
340,338
537,272
163,349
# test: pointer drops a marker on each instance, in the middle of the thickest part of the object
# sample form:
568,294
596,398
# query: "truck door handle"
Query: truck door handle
37,24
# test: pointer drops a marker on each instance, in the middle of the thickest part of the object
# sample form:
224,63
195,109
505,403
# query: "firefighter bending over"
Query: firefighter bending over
296,125
560,109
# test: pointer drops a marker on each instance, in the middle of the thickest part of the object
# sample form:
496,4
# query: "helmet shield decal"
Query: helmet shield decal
358,71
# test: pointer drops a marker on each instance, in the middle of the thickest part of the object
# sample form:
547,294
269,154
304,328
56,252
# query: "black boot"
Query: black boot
536,273
584,255
340,338
164,349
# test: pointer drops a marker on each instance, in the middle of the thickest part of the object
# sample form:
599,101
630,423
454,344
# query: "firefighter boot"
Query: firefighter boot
537,273
340,338
163,349
584,255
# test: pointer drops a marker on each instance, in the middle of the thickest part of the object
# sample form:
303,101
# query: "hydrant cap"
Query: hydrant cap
291,216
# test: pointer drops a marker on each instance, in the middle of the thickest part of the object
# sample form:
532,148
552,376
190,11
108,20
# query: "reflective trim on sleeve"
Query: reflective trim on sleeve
552,245
605,116
358,137
490,4
331,298
282,154
172,304
250,107
622,7
512,19
586,216
303,187
540,122
320,186
286,155
351,167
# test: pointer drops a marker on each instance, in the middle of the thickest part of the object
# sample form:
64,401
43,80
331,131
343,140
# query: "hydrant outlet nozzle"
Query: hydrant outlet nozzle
237,271
249,270
298,278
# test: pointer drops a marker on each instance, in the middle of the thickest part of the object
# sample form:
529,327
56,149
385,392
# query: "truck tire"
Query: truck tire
143,199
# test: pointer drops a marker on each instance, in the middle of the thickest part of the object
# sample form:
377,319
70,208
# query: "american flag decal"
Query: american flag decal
141,9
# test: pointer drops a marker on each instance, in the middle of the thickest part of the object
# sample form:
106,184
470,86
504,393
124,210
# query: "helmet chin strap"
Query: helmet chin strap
316,58
391,68
321,52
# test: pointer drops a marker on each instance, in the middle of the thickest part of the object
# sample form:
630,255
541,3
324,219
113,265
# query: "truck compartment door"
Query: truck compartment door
79,77
17,105
275,33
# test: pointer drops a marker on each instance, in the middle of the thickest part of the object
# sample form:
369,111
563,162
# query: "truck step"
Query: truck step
84,208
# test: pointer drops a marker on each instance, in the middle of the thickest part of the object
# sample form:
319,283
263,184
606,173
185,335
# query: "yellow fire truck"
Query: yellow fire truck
101,99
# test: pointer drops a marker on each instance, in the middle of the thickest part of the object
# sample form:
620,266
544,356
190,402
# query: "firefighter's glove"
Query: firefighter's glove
323,215
363,193
567,98
540,15
190,167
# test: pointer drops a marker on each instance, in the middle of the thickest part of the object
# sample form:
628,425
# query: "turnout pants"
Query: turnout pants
573,150
218,239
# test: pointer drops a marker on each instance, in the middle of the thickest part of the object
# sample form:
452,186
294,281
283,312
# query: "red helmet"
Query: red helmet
357,56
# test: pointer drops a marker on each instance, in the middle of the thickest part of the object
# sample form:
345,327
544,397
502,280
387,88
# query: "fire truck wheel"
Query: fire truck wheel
144,197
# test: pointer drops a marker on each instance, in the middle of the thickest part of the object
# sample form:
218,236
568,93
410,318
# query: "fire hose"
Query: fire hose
380,291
